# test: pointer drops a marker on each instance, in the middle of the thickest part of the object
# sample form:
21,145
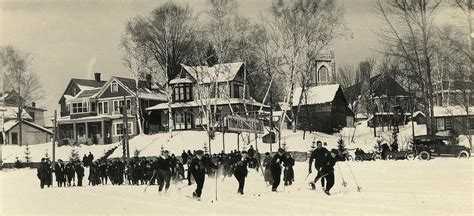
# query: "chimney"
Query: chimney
97,77
148,81
33,104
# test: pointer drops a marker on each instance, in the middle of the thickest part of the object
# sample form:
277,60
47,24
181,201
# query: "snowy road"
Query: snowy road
436,187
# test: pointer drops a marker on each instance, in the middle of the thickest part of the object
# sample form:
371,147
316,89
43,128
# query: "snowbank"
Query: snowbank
11,152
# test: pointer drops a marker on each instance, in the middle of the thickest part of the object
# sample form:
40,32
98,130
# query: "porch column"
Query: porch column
87,130
74,132
102,129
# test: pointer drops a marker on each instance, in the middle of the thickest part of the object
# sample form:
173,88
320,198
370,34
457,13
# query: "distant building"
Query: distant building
451,92
322,108
194,87
33,130
390,102
91,109
455,119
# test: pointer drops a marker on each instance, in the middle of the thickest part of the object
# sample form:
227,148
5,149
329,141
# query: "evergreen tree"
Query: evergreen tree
341,146
74,157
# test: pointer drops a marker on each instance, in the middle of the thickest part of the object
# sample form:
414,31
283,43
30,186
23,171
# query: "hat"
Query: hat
281,150
166,152
244,152
199,152
267,153
334,151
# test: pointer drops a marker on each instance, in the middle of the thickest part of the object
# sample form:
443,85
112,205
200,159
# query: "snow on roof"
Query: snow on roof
10,124
316,95
215,101
443,111
11,113
152,95
67,119
219,72
180,80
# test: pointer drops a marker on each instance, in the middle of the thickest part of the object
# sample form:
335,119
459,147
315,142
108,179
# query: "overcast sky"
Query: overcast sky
74,39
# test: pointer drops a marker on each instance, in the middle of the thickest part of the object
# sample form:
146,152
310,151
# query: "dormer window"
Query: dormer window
114,87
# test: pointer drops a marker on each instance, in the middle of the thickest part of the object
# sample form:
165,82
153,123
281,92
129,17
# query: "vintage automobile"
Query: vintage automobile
401,155
428,146
360,155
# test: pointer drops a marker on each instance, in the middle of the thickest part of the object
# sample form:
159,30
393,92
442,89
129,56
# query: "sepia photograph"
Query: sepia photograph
236,107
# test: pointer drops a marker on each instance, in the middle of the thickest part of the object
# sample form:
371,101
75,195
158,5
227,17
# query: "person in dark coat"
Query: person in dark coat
319,156
80,174
85,160
184,157
328,170
240,170
266,164
90,157
163,168
42,172
69,171
289,174
198,167
59,173
275,167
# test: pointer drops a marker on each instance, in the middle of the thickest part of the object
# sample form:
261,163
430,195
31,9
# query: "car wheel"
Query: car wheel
358,158
463,154
424,155
377,157
349,158
410,156
390,157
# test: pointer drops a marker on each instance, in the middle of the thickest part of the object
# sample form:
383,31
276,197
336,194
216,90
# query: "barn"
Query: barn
322,108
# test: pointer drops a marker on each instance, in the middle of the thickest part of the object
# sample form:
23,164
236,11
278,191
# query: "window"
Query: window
114,87
68,107
119,129
93,107
323,74
14,138
81,107
182,92
120,103
117,105
449,123
106,107
471,123
100,107
440,124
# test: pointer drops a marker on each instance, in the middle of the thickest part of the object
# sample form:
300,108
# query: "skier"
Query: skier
275,168
319,155
328,170
289,174
240,171
163,170
198,169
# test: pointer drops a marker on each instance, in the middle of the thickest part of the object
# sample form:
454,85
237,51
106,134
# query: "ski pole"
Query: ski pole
149,183
344,183
307,176
358,187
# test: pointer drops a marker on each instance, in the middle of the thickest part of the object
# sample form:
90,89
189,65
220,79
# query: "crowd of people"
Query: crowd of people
190,167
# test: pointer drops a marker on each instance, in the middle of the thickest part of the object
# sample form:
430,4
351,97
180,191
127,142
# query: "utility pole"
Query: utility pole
271,120
126,153
54,136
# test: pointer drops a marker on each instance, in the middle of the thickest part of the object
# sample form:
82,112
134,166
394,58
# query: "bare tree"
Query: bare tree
300,30
408,35
167,36
18,77
347,76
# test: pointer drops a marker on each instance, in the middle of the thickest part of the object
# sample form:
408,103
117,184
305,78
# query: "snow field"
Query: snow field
436,187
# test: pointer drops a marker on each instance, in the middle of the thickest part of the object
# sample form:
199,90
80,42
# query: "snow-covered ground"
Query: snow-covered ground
192,140
435,187
11,152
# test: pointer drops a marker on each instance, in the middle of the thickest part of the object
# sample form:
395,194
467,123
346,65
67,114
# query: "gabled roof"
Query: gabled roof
316,94
11,124
382,85
89,83
11,113
446,111
144,92
217,73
